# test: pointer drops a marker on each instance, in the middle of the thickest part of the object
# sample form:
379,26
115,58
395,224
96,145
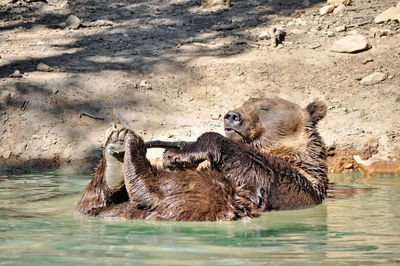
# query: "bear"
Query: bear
271,158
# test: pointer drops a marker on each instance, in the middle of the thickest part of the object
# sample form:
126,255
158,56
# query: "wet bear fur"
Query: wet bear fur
272,158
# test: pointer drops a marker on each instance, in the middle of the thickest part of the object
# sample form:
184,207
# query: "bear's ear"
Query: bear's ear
317,110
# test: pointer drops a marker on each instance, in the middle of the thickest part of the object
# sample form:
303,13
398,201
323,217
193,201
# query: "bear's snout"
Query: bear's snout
232,119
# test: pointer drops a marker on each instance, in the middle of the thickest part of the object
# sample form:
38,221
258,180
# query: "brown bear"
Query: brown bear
272,158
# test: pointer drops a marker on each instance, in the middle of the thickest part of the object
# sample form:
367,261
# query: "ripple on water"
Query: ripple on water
358,224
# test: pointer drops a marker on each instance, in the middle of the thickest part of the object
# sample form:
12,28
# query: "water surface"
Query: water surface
39,226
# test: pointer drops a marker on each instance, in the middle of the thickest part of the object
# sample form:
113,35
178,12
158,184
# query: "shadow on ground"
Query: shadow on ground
145,35
145,32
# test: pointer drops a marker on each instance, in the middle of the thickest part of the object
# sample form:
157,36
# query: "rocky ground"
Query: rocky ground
172,69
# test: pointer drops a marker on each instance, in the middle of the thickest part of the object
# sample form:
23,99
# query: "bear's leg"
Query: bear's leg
139,175
107,184
206,147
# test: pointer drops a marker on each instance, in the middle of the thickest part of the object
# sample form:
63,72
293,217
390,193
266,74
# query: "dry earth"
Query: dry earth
172,69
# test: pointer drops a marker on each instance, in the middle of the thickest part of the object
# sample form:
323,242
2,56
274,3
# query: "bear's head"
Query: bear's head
274,125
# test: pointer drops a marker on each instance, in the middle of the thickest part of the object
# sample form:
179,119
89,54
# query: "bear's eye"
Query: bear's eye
265,107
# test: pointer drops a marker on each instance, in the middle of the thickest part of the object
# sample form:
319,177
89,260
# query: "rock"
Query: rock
326,10
145,84
16,74
339,9
336,3
340,28
373,78
99,23
315,46
6,154
73,22
367,61
351,44
275,33
43,67
392,13
264,35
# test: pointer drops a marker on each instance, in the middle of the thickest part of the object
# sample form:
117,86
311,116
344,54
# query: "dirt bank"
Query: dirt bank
173,69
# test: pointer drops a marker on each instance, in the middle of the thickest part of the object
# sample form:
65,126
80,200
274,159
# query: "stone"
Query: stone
392,13
373,78
99,23
351,44
367,61
340,28
73,22
336,3
43,67
6,154
275,33
326,10
16,74
330,34
339,9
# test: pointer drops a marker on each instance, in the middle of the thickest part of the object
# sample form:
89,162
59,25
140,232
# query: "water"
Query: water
38,226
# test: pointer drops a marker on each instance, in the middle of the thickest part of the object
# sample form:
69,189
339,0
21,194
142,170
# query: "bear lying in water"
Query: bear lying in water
272,158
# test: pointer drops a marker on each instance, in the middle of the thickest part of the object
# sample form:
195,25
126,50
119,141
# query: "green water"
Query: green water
39,226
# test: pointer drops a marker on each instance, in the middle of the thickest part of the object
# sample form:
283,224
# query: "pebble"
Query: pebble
340,28
315,46
99,23
73,22
351,44
373,78
144,84
392,13
16,74
275,33
339,9
326,10
43,67
6,154
367,61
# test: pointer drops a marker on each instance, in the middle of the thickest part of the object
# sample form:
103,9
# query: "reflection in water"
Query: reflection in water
358,224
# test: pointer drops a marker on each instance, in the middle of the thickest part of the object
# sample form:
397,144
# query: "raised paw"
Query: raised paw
114,157
115,142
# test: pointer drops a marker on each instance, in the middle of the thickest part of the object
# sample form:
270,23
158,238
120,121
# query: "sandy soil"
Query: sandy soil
172,69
